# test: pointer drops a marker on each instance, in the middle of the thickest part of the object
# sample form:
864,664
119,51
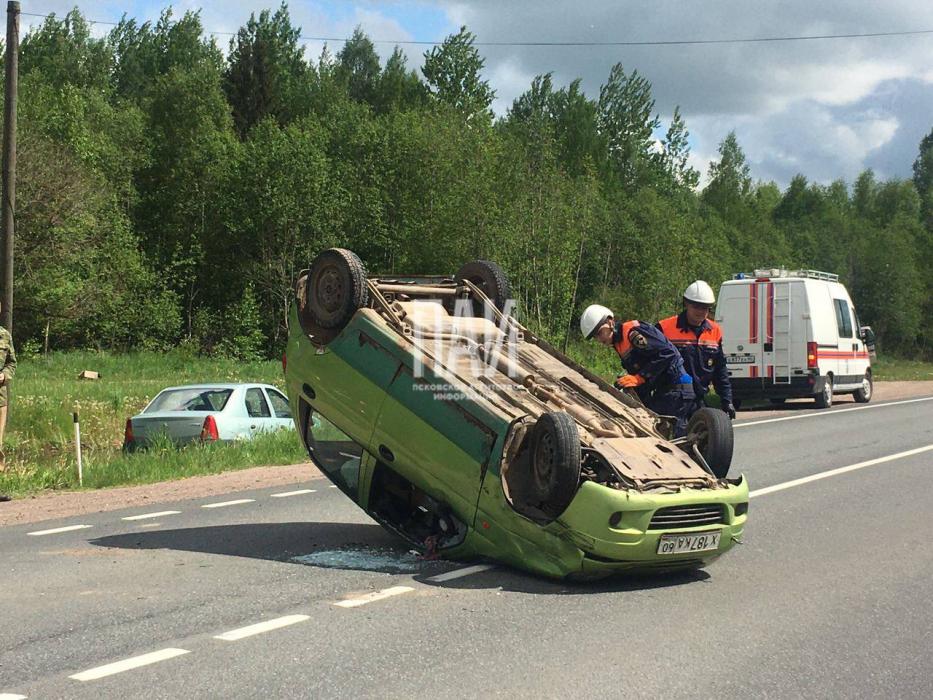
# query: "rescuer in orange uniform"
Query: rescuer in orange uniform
699,340
655,368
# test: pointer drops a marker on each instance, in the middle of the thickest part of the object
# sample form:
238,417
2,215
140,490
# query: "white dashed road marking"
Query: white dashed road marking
145,516
259,628
828,413
11,696
840,470
467,571
293,493
373,597
224,504
56,530
128,664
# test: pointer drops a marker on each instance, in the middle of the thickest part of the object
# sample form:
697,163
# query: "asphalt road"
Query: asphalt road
828,596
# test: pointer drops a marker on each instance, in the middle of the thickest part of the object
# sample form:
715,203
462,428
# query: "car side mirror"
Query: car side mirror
868,335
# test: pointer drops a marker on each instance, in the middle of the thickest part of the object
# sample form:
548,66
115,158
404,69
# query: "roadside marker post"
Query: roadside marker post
78,448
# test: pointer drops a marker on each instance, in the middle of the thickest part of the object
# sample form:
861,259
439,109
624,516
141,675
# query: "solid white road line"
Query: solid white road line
144,516
260,627
286,494
840,470
56,530
224,504
11,696
372,597
467,571
128,664
829,413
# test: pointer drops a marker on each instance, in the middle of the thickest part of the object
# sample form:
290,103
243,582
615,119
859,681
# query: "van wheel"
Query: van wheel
336,287
825,398
863,394
555,462
490,278
711,430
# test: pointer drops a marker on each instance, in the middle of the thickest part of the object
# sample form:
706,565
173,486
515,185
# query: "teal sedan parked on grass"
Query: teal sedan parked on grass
209,412
453,426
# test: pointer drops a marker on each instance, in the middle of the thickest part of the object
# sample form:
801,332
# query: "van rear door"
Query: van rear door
739,314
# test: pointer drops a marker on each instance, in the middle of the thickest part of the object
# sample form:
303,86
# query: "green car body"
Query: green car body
404,436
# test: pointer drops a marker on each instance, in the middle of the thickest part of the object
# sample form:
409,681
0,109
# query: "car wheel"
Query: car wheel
777,400
555,462
863,394
336,287
825,398
490,278
711,430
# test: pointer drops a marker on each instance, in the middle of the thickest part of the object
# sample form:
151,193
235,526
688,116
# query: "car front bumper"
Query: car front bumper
617,531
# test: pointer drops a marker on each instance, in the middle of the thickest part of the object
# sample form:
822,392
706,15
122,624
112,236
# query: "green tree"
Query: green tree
729,180
64,51
144,52
358,67
399,88
675,155
192,144
626,122
266,72
453,72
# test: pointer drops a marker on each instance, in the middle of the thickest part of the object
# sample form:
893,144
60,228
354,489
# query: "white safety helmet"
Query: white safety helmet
594,316
700,293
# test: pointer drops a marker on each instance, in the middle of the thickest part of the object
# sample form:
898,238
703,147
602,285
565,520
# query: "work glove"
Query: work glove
629,381
728,409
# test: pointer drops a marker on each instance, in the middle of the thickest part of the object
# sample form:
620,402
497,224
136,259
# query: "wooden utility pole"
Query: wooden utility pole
9,158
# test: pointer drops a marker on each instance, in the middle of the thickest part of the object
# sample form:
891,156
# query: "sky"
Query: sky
825,108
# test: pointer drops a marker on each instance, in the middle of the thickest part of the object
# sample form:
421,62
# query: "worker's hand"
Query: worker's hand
728,409
629,381
2,378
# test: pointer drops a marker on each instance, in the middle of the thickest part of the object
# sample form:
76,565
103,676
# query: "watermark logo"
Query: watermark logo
482,350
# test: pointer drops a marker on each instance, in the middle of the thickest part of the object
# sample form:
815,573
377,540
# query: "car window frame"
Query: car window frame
843,318
270,392
263,399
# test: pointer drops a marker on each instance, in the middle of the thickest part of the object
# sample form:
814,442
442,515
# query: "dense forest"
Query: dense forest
170,191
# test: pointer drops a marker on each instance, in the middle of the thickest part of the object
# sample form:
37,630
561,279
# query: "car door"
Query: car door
281,411
258,412
846,344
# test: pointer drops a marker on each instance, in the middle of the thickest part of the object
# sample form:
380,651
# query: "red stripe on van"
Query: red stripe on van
770,330
770,371
753,313
753,371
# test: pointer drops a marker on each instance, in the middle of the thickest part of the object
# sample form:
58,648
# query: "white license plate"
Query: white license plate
740,359
694,542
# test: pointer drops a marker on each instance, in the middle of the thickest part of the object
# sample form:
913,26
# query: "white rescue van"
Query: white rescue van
790,334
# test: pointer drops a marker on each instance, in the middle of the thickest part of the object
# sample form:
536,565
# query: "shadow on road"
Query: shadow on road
368,547
273,541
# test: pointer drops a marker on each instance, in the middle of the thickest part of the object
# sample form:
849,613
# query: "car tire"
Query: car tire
490,278
336,288
864,394
555,462
712,431
777,400
825,398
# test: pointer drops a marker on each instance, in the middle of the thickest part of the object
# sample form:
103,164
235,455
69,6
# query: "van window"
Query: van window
843,318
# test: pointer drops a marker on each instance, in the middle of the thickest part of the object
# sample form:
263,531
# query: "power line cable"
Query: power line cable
670,42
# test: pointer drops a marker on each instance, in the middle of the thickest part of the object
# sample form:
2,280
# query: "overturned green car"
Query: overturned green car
428,404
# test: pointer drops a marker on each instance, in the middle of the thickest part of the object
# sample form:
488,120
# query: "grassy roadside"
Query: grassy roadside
890,369
40,431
